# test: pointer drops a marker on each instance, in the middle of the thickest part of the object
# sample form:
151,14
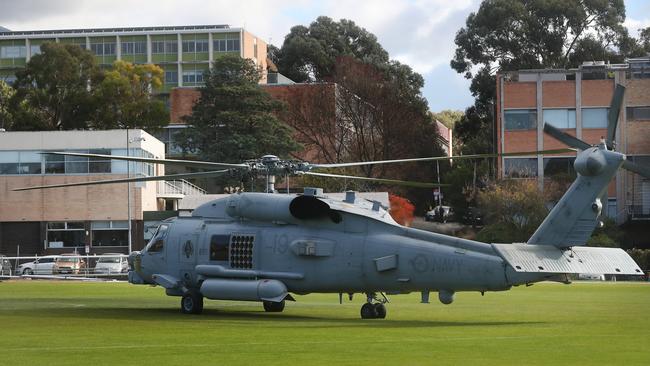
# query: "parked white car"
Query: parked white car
112,265
39,266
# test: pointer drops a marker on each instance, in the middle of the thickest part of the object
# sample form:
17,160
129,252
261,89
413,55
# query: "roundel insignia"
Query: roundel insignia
188,249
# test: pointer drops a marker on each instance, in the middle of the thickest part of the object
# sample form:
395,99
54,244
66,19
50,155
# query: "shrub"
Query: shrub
401,209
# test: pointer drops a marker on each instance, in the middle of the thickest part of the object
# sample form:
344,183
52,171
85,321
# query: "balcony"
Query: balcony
177,189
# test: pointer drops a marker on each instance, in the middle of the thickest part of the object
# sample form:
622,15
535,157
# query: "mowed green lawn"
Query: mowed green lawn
72,323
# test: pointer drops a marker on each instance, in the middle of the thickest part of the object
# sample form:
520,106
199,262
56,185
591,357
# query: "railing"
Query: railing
83,267
178,187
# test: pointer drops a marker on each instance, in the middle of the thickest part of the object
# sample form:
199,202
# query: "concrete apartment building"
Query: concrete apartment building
577,101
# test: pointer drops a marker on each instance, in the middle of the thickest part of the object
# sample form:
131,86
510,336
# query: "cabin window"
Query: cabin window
219,247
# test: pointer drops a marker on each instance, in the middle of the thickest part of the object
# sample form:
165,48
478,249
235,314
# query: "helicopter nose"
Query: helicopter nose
135,268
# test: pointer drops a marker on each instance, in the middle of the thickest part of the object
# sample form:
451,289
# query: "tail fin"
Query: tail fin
574,218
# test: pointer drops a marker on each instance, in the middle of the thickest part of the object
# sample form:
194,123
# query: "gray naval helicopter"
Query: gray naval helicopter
263,246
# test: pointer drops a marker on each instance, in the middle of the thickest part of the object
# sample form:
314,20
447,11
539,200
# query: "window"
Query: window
560,118
520,167
219,247
156,244
226,45
34,50
13,51
110,233
202,45
594,117
559,167
219,45
99,165
171,46
20,162
157,47
65,234
193,76
171,77
97,48
638,113
54,164
189,46
134,48
520,119
233,45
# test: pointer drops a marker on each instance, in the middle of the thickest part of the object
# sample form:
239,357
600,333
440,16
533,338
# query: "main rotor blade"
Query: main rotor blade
379,180
126,180
433,158
565,137
191,163
641,170
614,110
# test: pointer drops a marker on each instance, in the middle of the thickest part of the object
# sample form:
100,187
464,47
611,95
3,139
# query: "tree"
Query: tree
52,92
234,119
310,53
6,117
448,117
512,209
515,34
124,98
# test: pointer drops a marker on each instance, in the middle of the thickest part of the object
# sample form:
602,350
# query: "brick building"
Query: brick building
577,101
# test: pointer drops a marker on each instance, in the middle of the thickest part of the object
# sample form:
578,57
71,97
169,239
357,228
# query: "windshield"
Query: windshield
157,241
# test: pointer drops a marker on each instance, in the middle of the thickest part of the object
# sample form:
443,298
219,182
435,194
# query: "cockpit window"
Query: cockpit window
156,244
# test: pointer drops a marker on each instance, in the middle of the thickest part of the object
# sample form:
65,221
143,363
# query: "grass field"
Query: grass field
66,323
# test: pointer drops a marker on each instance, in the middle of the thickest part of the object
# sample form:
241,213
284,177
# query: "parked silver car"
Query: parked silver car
39,266
116,263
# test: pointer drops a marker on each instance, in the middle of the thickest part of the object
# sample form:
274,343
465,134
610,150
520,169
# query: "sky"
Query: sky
419,33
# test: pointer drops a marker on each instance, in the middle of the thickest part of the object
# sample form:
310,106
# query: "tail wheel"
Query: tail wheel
192,303
273,307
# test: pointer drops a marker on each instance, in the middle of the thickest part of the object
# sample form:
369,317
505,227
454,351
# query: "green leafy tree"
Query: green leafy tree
528,34
124,98
53,92
448,117
512,209
6,117
310,53
234,119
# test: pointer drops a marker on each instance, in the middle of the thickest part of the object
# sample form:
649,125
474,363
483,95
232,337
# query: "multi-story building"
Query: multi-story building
71,218
577,101
183,52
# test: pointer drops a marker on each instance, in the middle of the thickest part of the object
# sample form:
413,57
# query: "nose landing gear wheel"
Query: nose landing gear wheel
374,308
192,303
273,307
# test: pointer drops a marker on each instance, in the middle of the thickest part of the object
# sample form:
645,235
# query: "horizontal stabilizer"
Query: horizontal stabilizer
549,259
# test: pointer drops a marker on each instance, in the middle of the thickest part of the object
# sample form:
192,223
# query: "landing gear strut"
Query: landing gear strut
374,308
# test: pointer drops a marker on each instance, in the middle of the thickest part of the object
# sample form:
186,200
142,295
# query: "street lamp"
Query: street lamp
128,184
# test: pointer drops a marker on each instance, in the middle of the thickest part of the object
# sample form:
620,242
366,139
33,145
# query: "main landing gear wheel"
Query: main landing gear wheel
368,311
374,308
273,307
192,303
